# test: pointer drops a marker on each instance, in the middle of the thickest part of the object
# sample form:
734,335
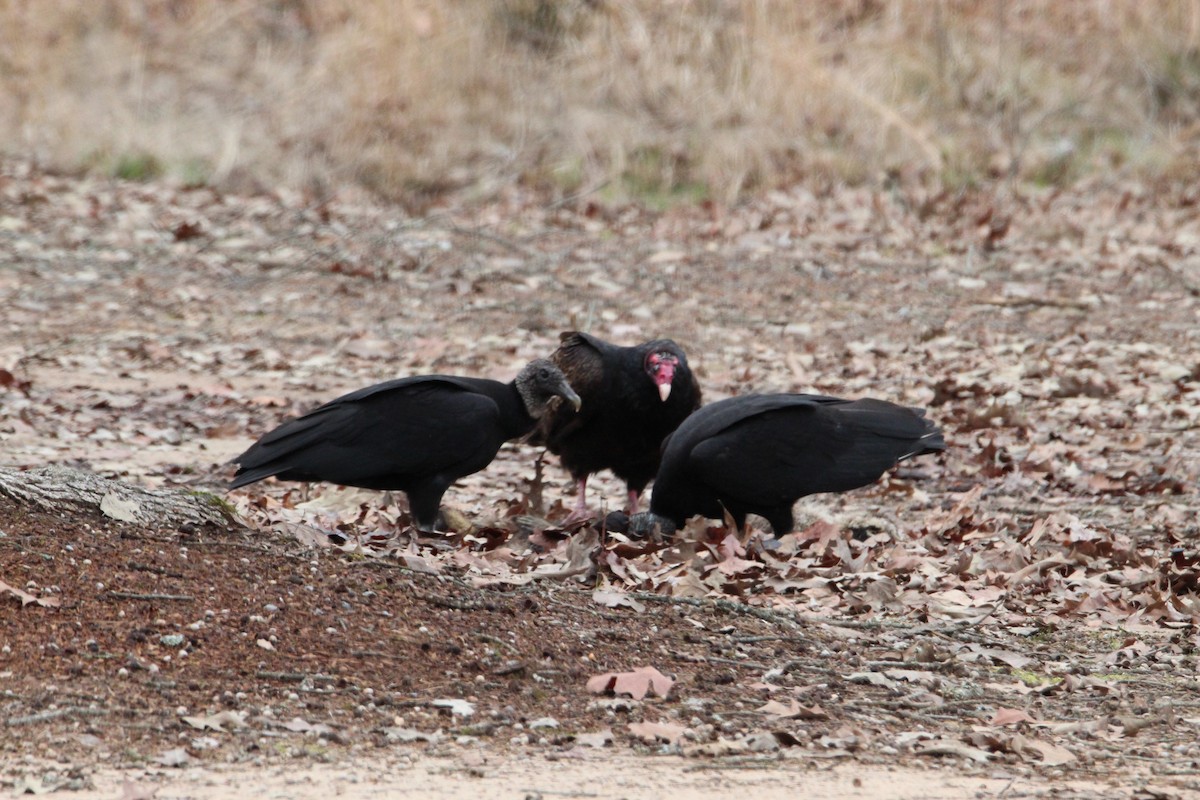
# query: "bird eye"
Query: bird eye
544,372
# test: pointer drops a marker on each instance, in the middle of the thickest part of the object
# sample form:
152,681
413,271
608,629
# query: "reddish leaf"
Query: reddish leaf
1009,716
637,684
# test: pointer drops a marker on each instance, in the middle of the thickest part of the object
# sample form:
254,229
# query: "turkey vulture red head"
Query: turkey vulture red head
660,366
632,398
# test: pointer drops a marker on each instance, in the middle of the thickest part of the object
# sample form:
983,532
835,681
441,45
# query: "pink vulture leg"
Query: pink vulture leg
634,501
581,510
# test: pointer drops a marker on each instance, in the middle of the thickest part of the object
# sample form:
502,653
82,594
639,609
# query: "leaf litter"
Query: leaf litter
1047,564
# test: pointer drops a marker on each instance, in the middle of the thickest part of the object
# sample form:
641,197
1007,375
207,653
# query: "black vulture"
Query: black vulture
417,434
759,453
632,398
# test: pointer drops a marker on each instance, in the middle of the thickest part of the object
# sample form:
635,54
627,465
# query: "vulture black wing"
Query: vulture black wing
806,445
759,453
385,436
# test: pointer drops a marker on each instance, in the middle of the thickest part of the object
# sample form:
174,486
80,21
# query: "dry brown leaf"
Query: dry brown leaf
792,709
26,598
717,749
1009,716
601,738
1052,755
613,598
637,684
951,747
651,732
1010,657
220,721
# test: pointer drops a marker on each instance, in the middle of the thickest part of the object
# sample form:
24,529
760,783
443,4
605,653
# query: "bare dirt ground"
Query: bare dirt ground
1015,619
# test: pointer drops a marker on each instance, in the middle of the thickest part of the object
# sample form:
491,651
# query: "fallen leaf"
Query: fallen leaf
419,564
1048,753
761,742
1009,716
405,735
298,725
458,708
26,598
28,785
175,757
1011,658
595,739
637,684
950,747
917,676
651,732
217,722
717,749
793,710
871,678
613,598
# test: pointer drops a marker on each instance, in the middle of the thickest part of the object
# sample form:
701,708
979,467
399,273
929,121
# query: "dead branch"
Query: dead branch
46,716
765,614
732,662
59,489
297,677
151,596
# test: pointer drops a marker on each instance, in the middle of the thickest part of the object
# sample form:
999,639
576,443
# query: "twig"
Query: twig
732,606
456,603
729,763
913,628
373,654
483,637
156,570
46,716
152,596
924,666
298,677
838,674
1048,302
511,668
718,660
774,637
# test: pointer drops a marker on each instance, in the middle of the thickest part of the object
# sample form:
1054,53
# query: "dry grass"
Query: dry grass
656,99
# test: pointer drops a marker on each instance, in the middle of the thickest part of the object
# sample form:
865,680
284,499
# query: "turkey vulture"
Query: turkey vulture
632,398
416,434
759,453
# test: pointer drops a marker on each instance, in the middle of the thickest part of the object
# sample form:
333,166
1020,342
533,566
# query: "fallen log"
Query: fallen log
58,489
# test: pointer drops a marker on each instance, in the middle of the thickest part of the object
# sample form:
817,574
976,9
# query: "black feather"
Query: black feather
758,454
417,434
623,420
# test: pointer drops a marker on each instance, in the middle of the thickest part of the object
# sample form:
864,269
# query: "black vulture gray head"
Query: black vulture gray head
541,380
650,524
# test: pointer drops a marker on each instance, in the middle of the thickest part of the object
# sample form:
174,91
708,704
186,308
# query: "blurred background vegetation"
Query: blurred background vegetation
660,101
